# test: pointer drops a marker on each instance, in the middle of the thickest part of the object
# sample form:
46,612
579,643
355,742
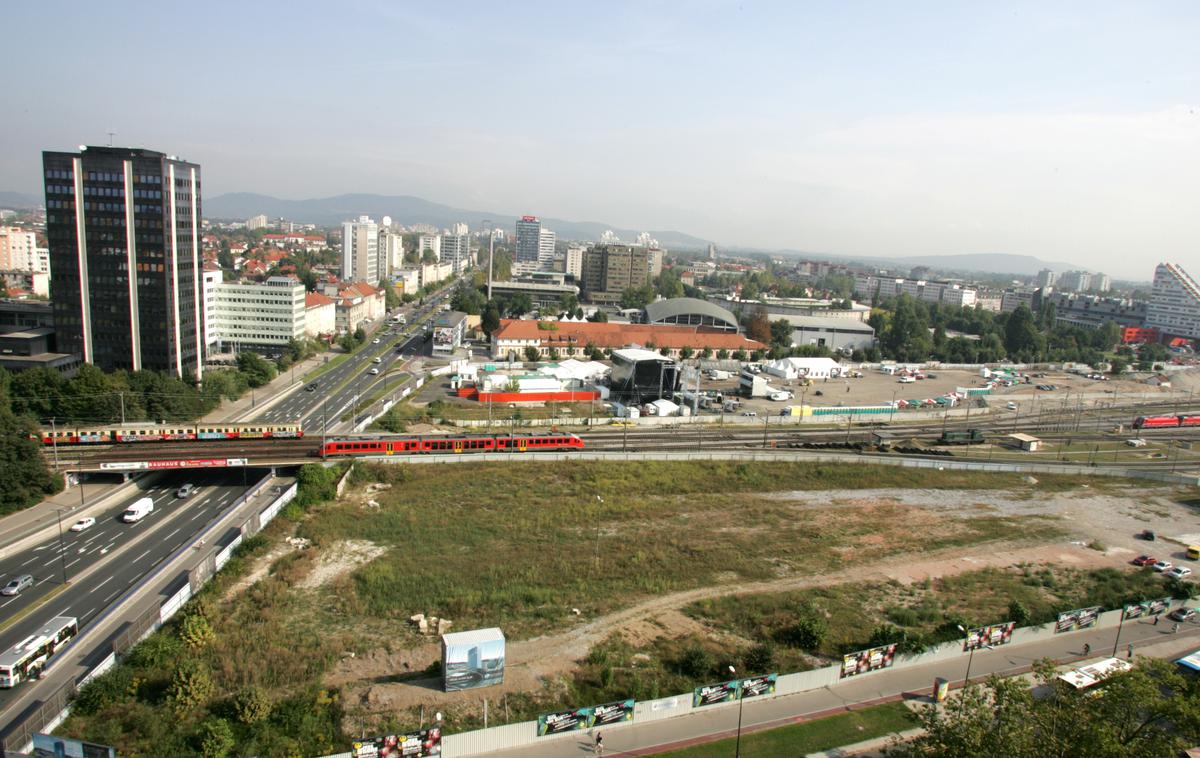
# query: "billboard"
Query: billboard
711,694
1081,618
423,743
472,659
607,714
49,746
759,685
1146,608
996,634
868,660
443,337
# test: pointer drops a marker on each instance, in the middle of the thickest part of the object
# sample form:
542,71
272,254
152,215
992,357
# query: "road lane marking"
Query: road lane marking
101,584
140,557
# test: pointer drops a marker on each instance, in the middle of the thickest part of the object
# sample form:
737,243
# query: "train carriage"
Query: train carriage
145,433
418,445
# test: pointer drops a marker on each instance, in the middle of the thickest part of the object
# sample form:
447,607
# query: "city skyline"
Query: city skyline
866,131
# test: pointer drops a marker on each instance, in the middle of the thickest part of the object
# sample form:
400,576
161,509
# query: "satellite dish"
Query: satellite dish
387,220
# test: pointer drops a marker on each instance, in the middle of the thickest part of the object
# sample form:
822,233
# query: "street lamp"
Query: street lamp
970,656
62,550
737,750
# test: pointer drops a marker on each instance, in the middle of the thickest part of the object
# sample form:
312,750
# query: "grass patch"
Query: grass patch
390,384
329,365
812,736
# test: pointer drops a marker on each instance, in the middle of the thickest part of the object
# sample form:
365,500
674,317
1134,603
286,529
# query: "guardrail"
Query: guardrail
56,707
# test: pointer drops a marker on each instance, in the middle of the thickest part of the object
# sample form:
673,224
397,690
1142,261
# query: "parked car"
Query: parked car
1162,565
1182,614
22,582
749,413
781,395
1147,535
1011,406
1179,572
906,380
83,523
1144,560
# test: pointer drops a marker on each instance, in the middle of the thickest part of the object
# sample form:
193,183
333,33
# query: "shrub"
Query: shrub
696,662
105,690
191,686
196,631
760,659
808,633
1018,612
252,706
216,738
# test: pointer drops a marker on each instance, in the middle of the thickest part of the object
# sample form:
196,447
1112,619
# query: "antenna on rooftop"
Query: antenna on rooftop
110,136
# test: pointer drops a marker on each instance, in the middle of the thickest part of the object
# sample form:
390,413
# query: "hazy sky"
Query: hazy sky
1065,130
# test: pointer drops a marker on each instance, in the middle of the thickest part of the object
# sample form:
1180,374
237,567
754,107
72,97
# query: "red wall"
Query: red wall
527,397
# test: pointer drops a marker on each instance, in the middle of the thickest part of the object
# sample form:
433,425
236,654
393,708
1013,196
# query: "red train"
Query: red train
1165,422
410,445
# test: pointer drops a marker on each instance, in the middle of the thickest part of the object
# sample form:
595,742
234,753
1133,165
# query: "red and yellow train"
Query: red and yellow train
66,435
409,445
1165,422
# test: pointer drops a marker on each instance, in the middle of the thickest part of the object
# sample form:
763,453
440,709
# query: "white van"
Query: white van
138,510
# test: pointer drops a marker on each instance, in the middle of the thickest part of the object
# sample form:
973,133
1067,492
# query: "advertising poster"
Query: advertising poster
443,337
711,694
996,634
759,685
1136,610
1081,618
1155,607
563,721
49,746
868,660
426,742
472,659
610,713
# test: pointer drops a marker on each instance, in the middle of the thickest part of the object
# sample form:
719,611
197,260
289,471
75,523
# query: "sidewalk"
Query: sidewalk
910,683
67,504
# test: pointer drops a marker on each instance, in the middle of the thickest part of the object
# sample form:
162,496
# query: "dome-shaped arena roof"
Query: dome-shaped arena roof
690,311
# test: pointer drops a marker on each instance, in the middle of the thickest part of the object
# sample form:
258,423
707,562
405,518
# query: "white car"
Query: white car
374,372
375,341
83,523
1162,566
1179,572
1011,406
781,395
907,380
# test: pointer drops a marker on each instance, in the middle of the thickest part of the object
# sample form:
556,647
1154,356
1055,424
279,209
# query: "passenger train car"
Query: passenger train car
1165,422
65,435
409,445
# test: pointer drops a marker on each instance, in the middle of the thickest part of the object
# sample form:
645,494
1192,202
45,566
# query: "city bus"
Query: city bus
28,657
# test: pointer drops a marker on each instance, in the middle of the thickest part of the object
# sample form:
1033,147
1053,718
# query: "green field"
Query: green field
812,736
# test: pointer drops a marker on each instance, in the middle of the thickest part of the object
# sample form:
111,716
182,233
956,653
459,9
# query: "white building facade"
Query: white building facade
1174,303
259,316
360,250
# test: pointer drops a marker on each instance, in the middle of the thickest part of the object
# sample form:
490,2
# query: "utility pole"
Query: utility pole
491,252
121,395
54,441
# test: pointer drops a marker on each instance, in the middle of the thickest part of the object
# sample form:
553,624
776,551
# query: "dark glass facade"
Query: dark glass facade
123,226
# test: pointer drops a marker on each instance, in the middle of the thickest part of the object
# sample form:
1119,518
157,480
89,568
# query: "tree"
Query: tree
532,354
907,336
760,659
429,257
686,353
196,630
519,304
216,738
1022,339
759,326
599,317
390,298
468,300
807,633
252,705
490,321
1150,710
258,371
696,662
781,333
637,297
191,686
1119,366
668,285
722,354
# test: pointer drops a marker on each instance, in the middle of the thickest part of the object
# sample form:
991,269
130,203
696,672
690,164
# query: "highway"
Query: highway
351,380
105,560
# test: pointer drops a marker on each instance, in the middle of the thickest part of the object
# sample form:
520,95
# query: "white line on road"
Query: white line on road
110,597
172,534
72,563
101,584
140,557
31,560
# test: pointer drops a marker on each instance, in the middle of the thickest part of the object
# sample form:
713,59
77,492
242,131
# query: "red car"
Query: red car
1144,560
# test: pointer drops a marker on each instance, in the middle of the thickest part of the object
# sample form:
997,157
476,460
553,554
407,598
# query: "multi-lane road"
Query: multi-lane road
101,563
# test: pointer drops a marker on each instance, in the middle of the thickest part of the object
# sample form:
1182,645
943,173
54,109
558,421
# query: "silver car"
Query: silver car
23,582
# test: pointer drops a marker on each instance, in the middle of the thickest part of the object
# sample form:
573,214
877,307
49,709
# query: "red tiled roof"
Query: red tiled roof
315,299
614,335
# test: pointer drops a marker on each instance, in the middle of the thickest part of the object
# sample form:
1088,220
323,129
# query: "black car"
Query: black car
312,387
1148,535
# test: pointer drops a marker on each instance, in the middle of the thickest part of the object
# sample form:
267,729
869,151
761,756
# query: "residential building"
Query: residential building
1102,282
123,226
1174,303
1012,299
459,228
257,222
1093,311
19,251
448,331
945,293
26,283
261,317
355,304
427,242
1046,278
211,277
1075,281
608,270
360,251
529,239
573,261
320,315
432,273
572,339
456,250
407,280
546,242
391,246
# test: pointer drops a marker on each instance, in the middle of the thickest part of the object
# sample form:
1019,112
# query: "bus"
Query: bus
28,657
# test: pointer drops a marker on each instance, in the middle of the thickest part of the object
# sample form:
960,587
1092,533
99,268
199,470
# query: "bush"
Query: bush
196,631
107,689
216,738
807,633
760,659
696,662
252,706
1018,612
191,687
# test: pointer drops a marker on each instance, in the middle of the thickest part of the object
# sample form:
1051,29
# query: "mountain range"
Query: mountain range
407,209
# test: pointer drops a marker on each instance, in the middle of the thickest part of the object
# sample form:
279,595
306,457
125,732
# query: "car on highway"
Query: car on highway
1182,614
1179,572
311,388
1144,560
185,490
377,359
373,372
83,523
22,582
1162,565
1011,406
375,341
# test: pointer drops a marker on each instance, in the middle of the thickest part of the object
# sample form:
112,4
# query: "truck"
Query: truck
138,510
719,375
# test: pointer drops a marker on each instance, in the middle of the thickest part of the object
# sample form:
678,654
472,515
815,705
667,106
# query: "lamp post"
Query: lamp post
970,657
62,550
1120,623
737,749
892,415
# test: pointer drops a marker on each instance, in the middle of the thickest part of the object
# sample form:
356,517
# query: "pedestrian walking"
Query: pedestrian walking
599,744
1156,620
1087,649
1131,650
1174,628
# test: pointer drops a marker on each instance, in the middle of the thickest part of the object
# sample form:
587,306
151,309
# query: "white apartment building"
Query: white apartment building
212,278
1075,281
430,242
407,280
391,247
1174,302
573,263
257,316
947,293
456,250
320,314
545,256
257,222
360,251
19,251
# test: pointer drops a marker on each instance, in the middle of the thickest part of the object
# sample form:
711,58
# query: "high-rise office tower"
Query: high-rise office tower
456,248
545,256
1046,278
1174,302
529,239
123,226
360,251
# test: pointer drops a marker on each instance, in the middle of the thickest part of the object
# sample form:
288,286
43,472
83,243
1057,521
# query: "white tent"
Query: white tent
813,368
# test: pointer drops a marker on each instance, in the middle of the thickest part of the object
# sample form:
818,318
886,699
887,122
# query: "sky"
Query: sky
1068,130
